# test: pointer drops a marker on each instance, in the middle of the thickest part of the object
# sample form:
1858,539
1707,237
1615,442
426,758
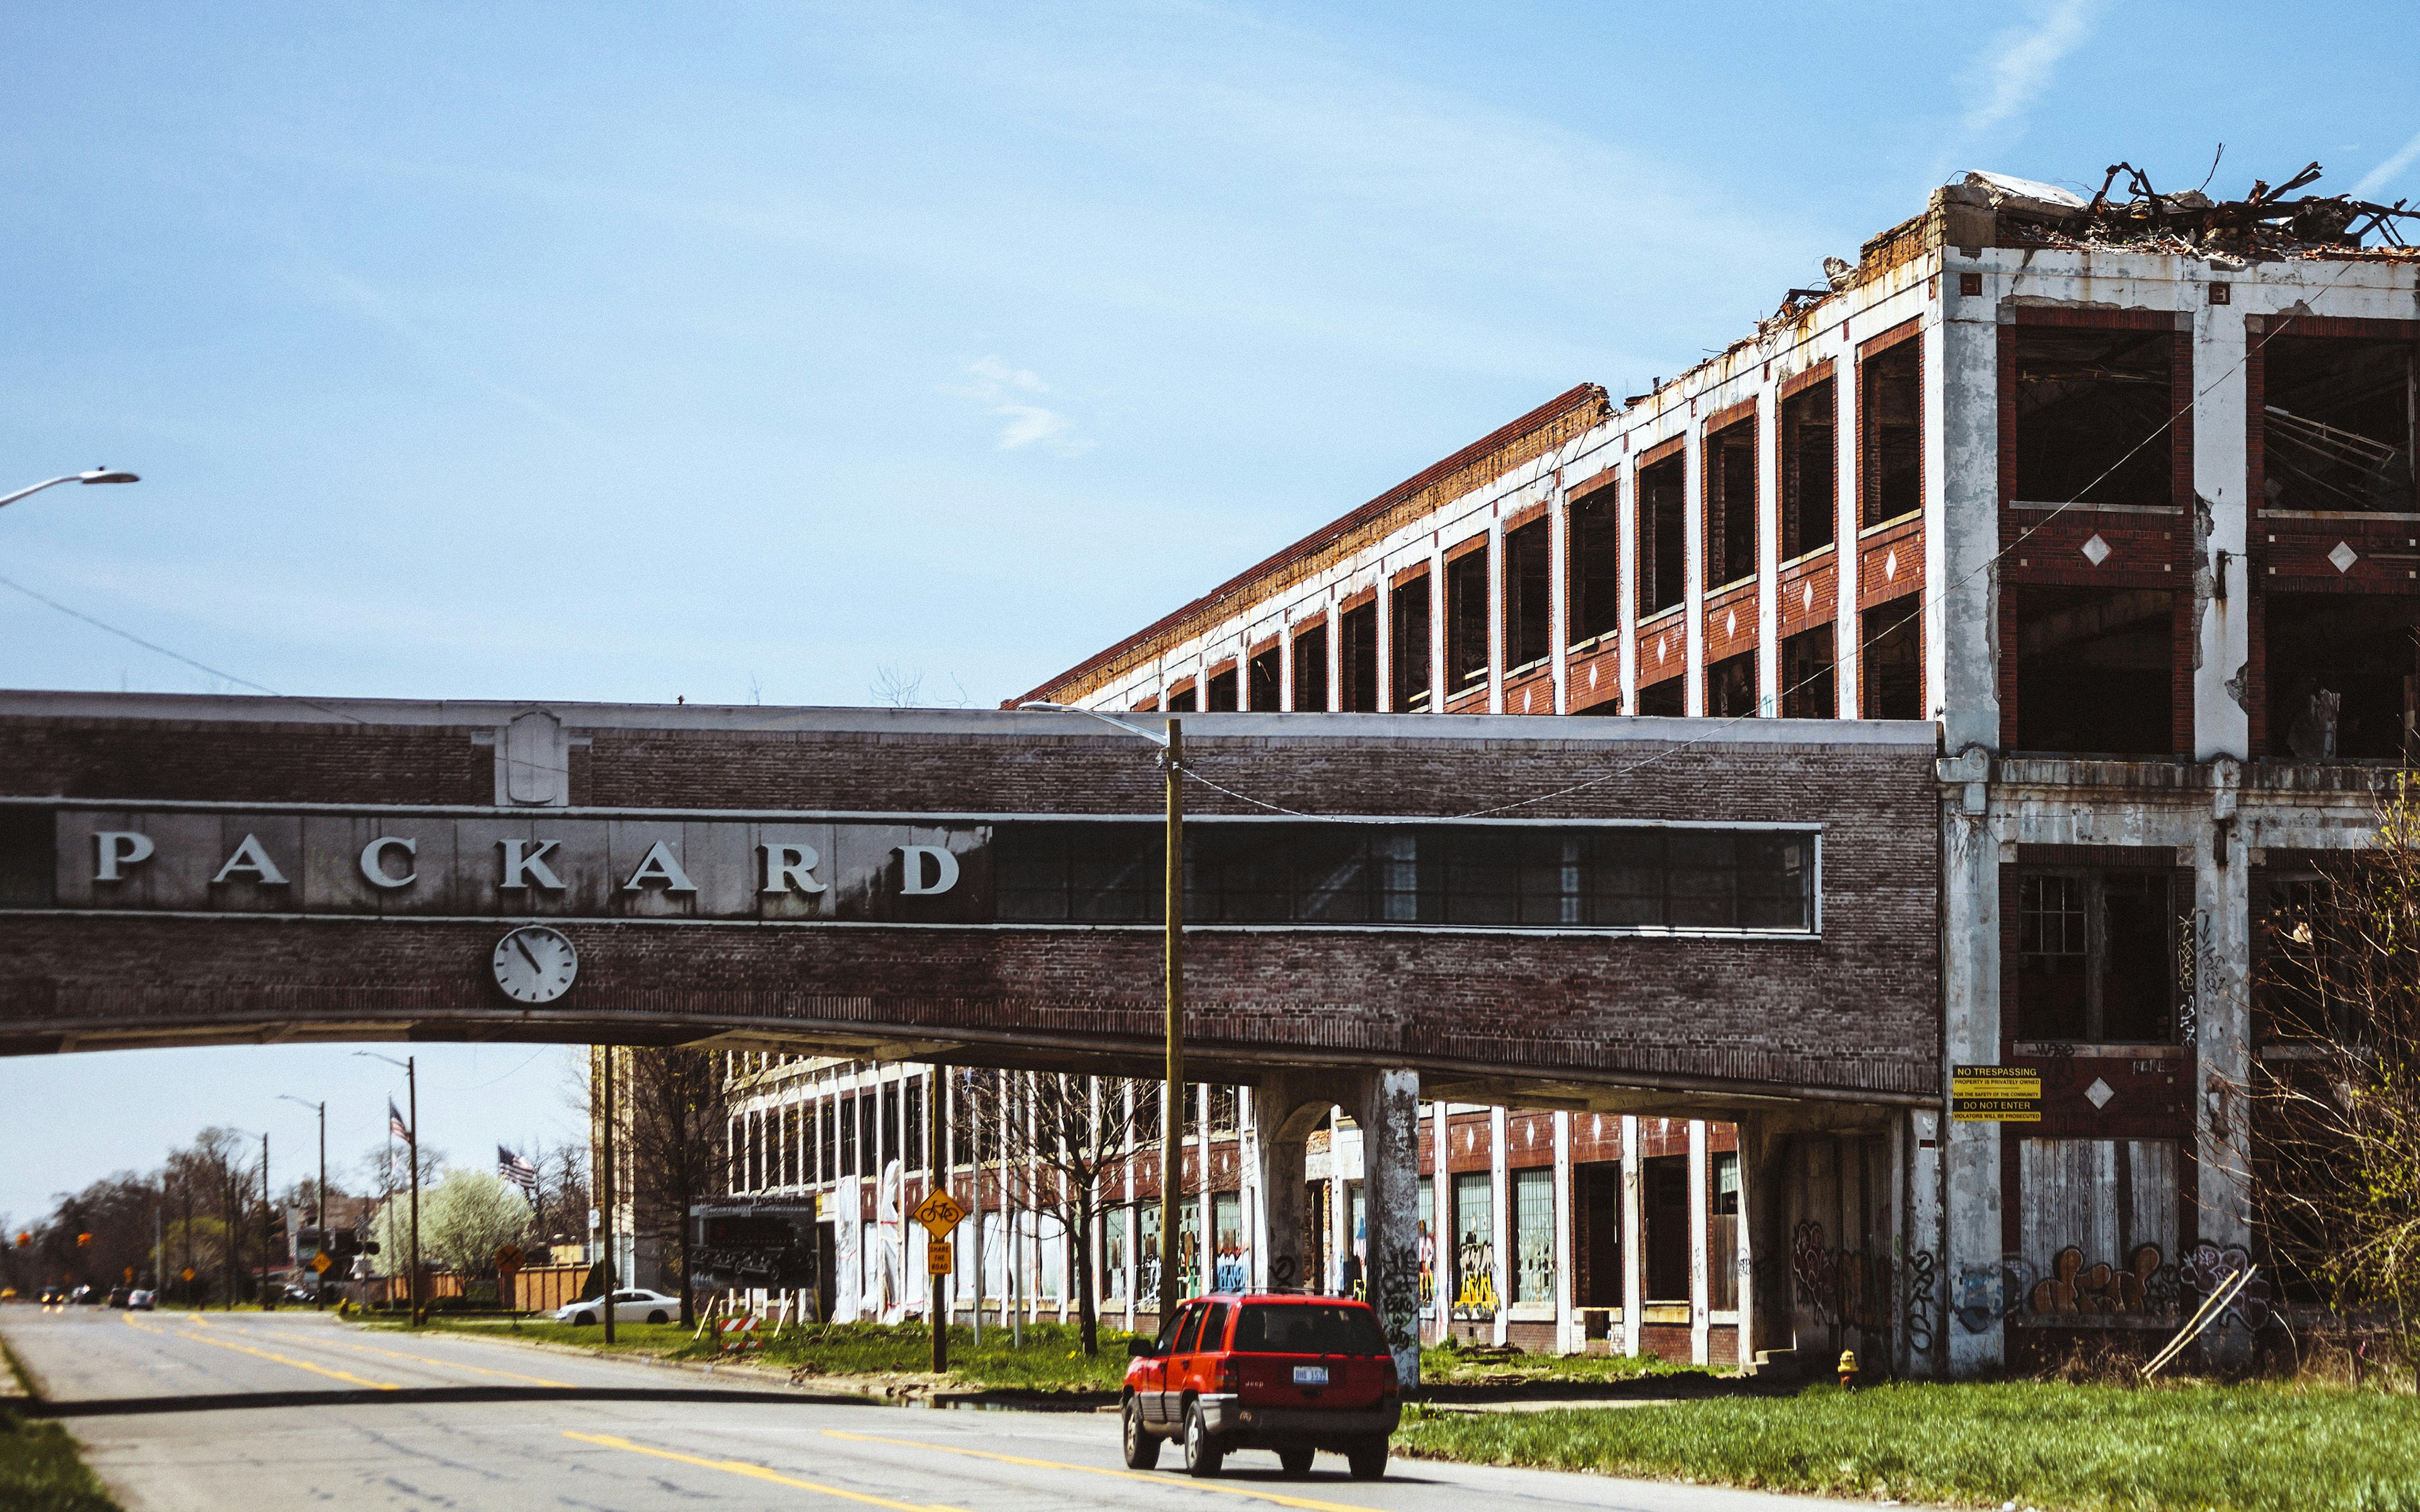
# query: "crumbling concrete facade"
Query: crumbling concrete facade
2118,493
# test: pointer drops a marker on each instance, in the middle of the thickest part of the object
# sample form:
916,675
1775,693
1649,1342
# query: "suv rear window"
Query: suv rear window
1307,1328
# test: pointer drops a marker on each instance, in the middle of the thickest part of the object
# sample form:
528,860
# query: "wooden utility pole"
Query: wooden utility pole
1171,1126
605,1199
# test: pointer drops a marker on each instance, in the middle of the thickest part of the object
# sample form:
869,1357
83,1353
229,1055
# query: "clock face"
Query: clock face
535,964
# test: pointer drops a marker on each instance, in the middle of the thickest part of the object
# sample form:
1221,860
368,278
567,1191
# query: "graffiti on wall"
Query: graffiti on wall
1920,1322
1474,1294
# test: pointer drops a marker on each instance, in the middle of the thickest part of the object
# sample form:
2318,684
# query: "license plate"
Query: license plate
1310,1375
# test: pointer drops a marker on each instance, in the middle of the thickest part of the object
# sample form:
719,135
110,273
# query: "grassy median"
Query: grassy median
42,1471
2076,1449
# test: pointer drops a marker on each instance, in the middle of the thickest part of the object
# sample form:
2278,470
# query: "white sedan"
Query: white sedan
637,1305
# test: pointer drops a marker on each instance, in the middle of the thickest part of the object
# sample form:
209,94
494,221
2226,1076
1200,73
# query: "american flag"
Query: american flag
519,1169
395,1120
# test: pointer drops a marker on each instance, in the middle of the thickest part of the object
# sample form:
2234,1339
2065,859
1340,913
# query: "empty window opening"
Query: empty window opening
2094,670
1666,1239
1221,698
1409,606
1466,622
1810,469
1890,406
2097,954
2337,430
1310,671
1730,687
1359,647
1667,699
1663,535
2092,411
1597,1235
1266,680
1808,671
1526,575
1595,548
1891,661
1181,702
1730,461
2343,672
1722,1231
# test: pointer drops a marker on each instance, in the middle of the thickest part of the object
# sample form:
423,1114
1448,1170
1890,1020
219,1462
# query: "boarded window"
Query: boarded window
2339,422
1310,671
1810,469
1409,604
1526,575
2092,413
1359,649
1595,548
1730,461
1663,535
1890,404
2086,1209
1465,626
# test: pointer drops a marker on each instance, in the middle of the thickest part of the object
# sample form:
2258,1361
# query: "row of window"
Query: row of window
1644,878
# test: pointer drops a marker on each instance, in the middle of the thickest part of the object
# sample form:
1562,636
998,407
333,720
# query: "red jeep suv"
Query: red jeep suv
1295,1374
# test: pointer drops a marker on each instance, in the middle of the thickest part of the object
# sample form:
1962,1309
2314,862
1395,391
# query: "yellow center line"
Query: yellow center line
1253,1492
266,1354
422,1359
741,1467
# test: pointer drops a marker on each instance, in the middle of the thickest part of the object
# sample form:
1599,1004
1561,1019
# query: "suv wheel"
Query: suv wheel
1142,1446
1294,1461
1203,1454
1367,1459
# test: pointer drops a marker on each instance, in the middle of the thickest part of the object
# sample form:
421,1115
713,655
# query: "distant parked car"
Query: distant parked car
637,1305
84,1297
118,1295
53,1296
141,1300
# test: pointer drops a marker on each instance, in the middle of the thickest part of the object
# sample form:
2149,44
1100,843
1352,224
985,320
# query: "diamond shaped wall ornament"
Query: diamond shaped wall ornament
2096,551
2099,1094
2344,556
1659,650
1809,599
1591,676
1890,566
1525,700
1730,623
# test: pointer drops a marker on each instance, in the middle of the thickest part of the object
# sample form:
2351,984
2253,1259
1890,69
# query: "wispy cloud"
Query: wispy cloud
2387,172
1008,393
2019,61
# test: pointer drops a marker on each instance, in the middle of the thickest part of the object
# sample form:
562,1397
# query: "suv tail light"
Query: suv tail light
1387,1383
1231,1376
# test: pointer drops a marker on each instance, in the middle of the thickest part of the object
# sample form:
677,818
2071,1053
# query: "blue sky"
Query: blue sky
738,352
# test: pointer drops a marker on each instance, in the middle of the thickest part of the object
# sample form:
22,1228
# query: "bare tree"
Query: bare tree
2336,1154
1052,1141
675,1121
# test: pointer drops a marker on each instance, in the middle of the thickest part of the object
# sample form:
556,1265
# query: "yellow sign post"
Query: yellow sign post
940,1256
940,1214
1995,1094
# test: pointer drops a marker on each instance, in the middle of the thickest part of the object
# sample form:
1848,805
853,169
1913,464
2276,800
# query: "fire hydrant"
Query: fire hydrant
1848,1367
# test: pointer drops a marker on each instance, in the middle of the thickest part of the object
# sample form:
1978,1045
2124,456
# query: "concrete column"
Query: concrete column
1768,552
1846,653
1924,1295
2223,649
1742,1256
1206,1213
1970,922
1568,1338
2222,1038
1700,1263
1436,628
1626,515
1634,1334
1962,488
1693,576
1247,1182
1442,1264
1388,1113
1496,616
1383,608
1287,1110
1332,1276
1499,1209
1558,596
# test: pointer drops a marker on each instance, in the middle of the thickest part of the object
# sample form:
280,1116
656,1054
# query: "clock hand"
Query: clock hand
522,946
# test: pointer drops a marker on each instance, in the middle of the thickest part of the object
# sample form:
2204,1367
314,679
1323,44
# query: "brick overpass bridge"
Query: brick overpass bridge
1728,921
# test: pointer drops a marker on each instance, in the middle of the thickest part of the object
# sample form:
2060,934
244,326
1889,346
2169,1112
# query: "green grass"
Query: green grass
41,1471
2075,1448
1050,1360
1443,1365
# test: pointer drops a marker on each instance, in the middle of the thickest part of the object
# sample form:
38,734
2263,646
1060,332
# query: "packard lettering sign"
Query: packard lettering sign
407,864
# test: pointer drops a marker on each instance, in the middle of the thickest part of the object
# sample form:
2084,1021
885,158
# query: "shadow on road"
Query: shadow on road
417,1396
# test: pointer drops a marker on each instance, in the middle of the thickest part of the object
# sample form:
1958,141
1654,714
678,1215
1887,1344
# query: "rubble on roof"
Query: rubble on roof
2268,223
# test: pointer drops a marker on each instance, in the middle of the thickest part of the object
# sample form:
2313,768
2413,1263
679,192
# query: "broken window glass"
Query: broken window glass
2092,411
2337,424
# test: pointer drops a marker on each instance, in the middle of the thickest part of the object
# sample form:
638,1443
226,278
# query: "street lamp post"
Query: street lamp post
87,475
319,1189
412,1156
1172,1122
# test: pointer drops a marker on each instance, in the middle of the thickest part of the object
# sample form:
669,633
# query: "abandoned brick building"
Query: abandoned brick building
2117,495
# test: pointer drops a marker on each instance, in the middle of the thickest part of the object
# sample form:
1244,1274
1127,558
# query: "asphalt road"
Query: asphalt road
257,1412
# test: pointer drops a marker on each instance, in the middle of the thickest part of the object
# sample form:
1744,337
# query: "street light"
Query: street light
1172,1122
318,1191
87,475
412,1156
